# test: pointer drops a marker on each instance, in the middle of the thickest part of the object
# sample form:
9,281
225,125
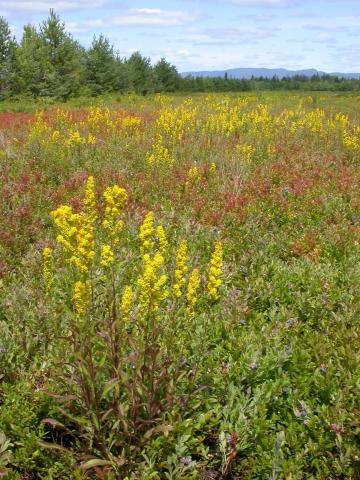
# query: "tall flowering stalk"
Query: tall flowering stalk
180,269
77,237
191,295
215,271
48,273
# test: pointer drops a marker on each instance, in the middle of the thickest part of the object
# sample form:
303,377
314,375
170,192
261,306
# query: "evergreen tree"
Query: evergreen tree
31,64
101,66
65,59
140,73
7,52
166,77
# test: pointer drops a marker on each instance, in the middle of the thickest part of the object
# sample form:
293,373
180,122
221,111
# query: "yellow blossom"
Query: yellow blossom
115,197
81,297
107,255
163,243
126,302
47,269
215,271
181,269
191,295
212,168
151,284
147,233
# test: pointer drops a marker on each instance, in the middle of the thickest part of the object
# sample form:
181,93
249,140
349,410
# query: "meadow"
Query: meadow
180,287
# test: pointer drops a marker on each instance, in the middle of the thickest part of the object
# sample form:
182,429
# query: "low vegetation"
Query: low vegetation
179,288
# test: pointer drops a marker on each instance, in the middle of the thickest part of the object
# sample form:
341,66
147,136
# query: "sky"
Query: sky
212,34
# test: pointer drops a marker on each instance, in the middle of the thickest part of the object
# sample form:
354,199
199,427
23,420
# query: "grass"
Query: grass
260,380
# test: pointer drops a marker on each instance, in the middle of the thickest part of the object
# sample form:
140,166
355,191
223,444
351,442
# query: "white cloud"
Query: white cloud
226,36
154,17
252,3
39,6
86,26
260,3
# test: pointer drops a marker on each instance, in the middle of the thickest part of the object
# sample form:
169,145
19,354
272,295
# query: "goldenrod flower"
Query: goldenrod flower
159,155
151,284
47,269
181,269
215,271
115,197
76,235
163,243
91,139
147,233
191,297
107,255
81,297
126,302
193,177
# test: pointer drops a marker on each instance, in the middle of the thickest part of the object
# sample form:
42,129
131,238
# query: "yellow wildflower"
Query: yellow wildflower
115,197
191,297
91,139
126,302
215,271
151,284
81,297
163,243
181,269
147,233
107,255
159,155
76,235
212,168
47,269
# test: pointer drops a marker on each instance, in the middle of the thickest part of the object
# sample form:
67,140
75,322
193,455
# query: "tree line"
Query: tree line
48,62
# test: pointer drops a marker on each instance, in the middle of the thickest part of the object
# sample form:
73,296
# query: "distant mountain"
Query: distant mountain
247,73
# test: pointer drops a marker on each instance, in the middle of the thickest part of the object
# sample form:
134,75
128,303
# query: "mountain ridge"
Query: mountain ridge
248,73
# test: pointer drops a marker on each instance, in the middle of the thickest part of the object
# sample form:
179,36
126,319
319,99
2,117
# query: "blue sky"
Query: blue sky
209,34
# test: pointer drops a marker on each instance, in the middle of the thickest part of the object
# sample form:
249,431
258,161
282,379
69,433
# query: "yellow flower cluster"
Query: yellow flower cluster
215,271
115,197
81,296
193,177
351,142
191,295
174,122
75,138
212,168
107,256
151,284
246,151
159,156
47,269
76,236
161,236
180,269
147,233
126,302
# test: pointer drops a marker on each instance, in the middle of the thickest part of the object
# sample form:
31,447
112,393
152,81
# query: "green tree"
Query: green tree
101,67
140,73
31,64
7,52
166,77
64,58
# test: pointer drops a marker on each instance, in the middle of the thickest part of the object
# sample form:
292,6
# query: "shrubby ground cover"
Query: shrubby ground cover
179,290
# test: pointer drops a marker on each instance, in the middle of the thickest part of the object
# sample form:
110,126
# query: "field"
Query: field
180,288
